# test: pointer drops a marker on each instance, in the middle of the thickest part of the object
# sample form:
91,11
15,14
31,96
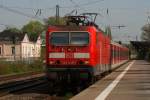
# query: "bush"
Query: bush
149,56
20,67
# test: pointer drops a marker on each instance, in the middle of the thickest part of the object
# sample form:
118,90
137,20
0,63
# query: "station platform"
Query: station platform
129,82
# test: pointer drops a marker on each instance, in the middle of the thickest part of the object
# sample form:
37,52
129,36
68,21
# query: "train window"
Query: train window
59,38
79,38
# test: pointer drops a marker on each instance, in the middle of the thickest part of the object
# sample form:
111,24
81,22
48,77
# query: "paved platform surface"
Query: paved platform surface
129,82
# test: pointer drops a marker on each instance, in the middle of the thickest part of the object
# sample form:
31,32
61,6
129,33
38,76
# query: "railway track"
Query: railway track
13,83
11,77
18,86
14,87
23,90
28,84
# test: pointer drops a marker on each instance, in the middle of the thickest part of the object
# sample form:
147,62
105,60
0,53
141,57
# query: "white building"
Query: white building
19,46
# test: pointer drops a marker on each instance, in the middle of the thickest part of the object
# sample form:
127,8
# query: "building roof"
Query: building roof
141,44
11,36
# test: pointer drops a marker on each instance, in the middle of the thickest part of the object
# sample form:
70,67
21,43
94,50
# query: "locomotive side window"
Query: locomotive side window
60,38
79,38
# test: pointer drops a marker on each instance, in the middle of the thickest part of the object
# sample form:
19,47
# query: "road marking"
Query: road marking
107,91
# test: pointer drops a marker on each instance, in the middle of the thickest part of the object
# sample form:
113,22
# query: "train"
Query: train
79,52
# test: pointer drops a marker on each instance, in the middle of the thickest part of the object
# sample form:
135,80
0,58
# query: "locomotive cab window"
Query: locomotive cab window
69,38
79,38
59,38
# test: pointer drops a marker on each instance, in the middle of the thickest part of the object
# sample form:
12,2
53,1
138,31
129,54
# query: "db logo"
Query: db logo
69,55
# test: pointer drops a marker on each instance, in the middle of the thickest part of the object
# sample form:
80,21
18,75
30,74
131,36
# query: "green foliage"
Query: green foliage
20,67
146,32
15,30
146,37
148,55
33,28
52,21
43,37
43,53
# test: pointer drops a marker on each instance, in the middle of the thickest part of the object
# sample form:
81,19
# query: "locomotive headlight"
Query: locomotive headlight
51,62
83,62
86,62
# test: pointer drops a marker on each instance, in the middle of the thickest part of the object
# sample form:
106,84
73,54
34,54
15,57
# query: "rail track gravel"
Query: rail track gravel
26,87
18,77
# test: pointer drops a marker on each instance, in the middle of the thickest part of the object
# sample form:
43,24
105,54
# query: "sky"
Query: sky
132,14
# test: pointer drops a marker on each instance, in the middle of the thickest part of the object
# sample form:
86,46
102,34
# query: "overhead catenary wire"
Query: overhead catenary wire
18,12
29,8
80,6
83,4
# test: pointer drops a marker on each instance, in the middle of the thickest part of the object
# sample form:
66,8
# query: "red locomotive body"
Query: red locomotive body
80,53
72,49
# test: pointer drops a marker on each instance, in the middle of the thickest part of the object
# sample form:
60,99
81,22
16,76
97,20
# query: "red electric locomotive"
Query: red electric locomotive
80,51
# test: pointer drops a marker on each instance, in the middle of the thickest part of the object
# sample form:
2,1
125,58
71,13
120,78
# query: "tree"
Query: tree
52,21
146,32
33,28
13,29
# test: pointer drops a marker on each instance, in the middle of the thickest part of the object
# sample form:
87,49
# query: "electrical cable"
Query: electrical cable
18,12
84,4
